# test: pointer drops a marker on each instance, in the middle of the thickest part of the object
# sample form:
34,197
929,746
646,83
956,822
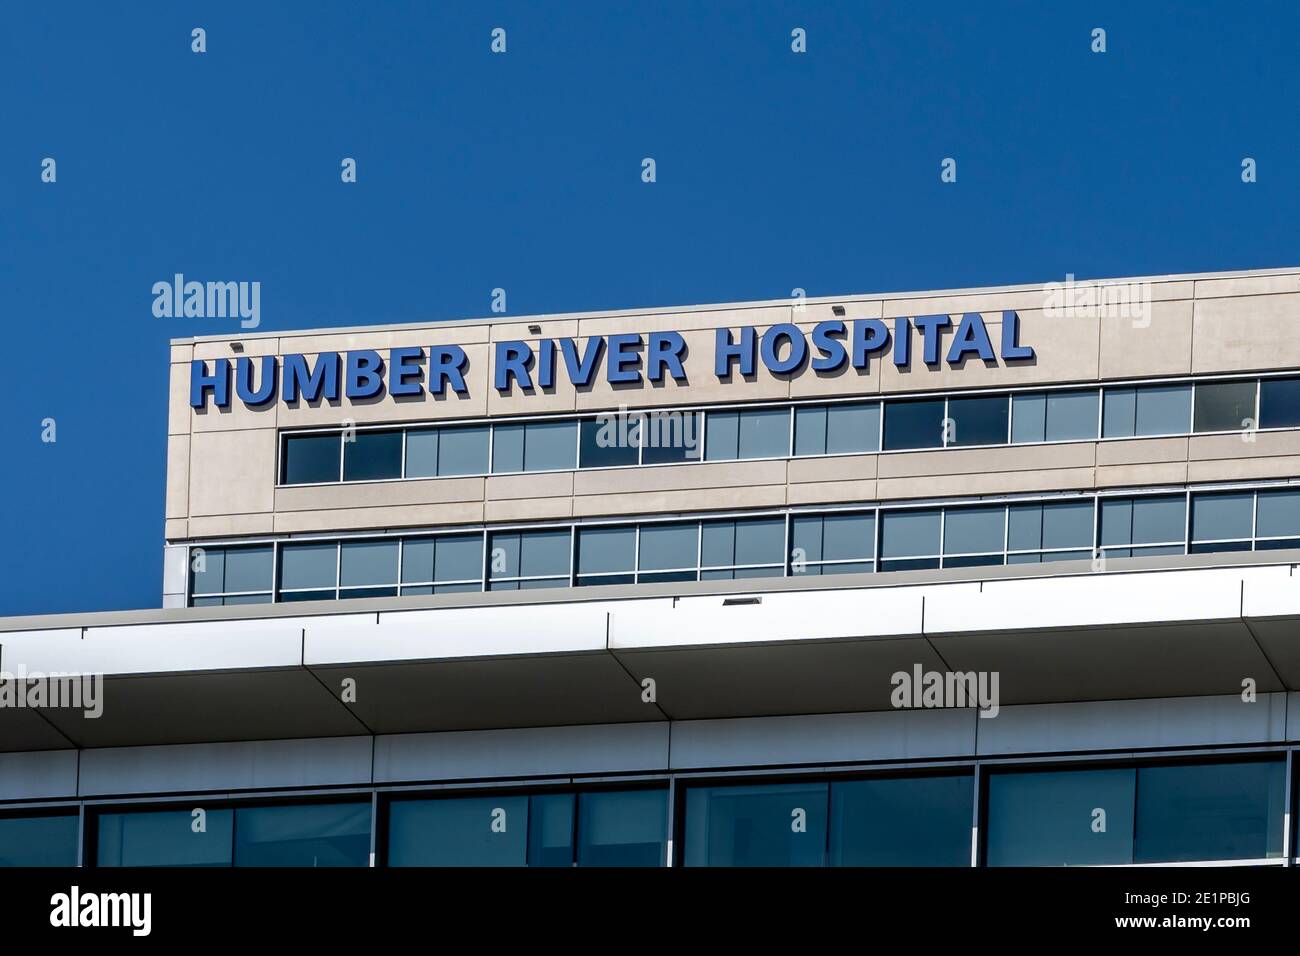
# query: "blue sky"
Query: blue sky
775,170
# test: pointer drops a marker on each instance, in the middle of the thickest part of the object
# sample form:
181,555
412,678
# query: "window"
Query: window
622,828
442,565
442,452
1147,410
1050,531
974,536
610,441
43,839
1225,406
164,838
372,456
1277,519
764,825
1215,811
308,571
466,831
520,560
1159,813
668,552
231,575
909,540
750,548
1054,416
612,828
606,555
311,458
535,446
902,821
1156,523
1279,403
368,569
670,437
1047,818
833,544
836,429
311,834
749,433
978,421
914,424
1222,522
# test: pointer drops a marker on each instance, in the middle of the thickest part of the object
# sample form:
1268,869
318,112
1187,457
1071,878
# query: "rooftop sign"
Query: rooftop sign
631,358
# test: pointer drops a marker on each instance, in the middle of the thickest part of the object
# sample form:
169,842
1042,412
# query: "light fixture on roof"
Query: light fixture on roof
740,601
837,309
236,346
535,329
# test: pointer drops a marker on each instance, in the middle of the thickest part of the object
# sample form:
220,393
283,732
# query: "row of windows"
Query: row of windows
899,539
642,438
1136,813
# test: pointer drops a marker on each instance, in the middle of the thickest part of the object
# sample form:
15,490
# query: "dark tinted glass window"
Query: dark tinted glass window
749,433
609,441
669,552
165,838
447,451
606,555
469,831
1054,416
452,560
754,541
1060,818
535,446
902,821
1278,516
909,540
1222,522
1147,410
249,569
1226,811
550,829
308,565
765,825
322,834
622,828
1279,403
1143,521
832,544
836,429
978,421
973,536
542,557
39,840
368,569
1225,406
371,456
670,437
914,424
311,458
1054,531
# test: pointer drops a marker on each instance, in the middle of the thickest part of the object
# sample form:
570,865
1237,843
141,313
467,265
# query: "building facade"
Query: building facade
978,577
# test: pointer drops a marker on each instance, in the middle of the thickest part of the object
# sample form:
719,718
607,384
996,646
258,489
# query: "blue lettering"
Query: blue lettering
404,364
447,365
365,374
512,362
930,326
322,381
826,339
869,336
218,383
771,346
1012,350
244,381
582,370
971,336
624,362
666,348
726,352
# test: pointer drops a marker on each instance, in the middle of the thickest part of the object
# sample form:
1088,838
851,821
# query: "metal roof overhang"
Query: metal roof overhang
201,675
